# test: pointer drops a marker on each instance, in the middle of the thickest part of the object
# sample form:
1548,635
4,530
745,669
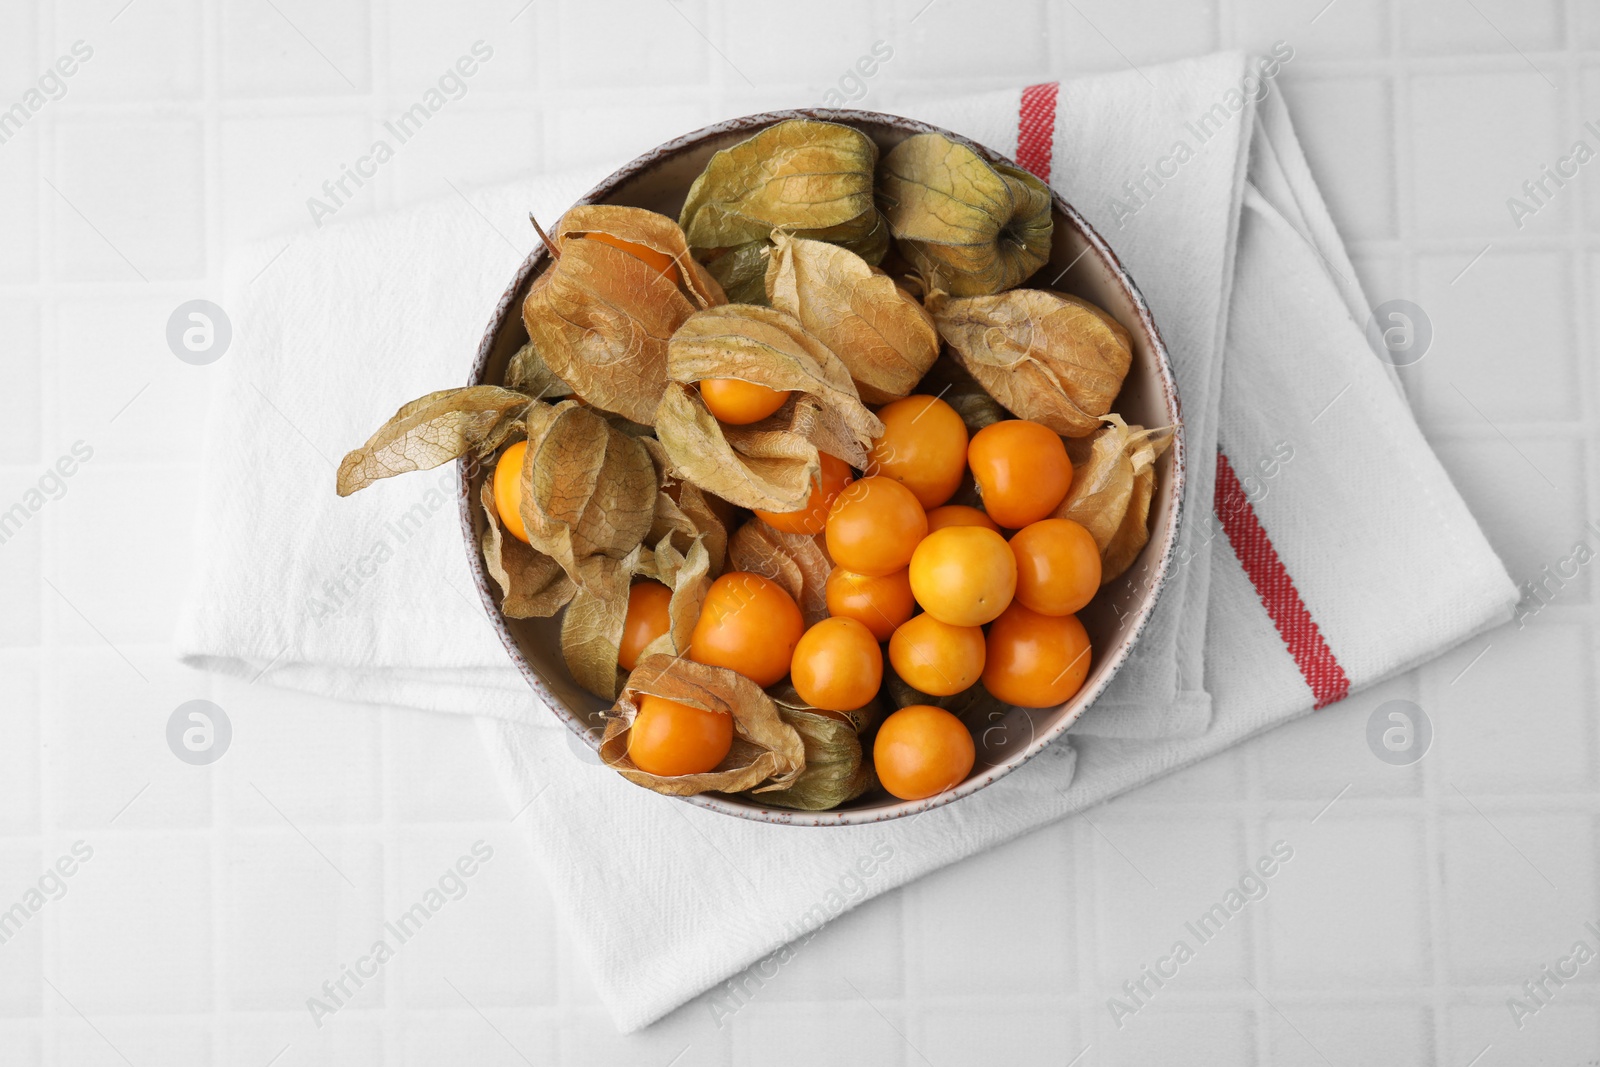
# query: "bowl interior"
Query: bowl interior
1081,264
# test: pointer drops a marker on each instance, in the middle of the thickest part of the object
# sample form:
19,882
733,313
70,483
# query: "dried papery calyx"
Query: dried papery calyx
532,584
1113,481
837,770
1045,356
880,331
591,629
435,429
767,753
600,316
770,464
813,179
588,489
685,513
528,373
798,563
970,226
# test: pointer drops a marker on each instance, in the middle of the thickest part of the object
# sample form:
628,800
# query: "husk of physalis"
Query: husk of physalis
969,226
434,429
599,317
812,179
1113,481
772,463
837,769
532,584
767,753
1045,356
880,331
798,563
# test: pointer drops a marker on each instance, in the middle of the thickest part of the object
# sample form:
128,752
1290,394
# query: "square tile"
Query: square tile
119,1042
432,39
501,1039
1193,866
1469,362
105,753
468,148
1022,1034
1529,500
20,401
22,925
272,166
1336,31
299,925
418,746
1350,906
1517,887
155,507
589,1036
1440,26
1522,724
484,915
314,761
1102,32
19,757
1564,1031
20,192
254,1039
151,51
1316,1034
295,48
1012,39
630,129
1346,128
1003,946
22,500
1216,1038
1475,138
803,1035
119,388
19,64
129,200
666,45
138,906
820,51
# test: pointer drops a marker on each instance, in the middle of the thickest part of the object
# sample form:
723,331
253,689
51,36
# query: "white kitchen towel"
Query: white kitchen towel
1337,552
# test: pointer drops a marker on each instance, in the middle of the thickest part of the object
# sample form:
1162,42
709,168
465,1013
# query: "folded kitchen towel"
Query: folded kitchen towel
1324,547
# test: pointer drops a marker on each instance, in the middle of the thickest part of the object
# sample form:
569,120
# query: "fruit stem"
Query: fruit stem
551,245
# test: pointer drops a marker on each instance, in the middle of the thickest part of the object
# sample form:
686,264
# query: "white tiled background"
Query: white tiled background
218,899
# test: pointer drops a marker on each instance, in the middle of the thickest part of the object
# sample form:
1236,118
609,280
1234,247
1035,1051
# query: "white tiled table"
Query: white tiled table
218,899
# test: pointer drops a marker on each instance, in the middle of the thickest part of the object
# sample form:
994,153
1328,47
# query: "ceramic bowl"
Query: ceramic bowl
1080,263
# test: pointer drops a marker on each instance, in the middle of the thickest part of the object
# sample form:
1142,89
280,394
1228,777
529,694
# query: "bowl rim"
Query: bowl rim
750,809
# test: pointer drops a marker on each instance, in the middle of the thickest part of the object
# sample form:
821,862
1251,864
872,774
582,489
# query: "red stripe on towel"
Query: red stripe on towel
1267,573
1036,129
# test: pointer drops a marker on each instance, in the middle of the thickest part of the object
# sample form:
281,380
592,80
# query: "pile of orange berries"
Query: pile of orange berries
897,546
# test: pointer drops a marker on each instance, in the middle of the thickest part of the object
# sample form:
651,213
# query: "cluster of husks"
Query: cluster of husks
770,276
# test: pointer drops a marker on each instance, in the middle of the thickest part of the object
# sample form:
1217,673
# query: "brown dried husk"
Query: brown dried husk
684,512
769,464
767,754
600,317
528,373
813,179
883,336
434,429
1043,356
532,584
837,770
1113,480
689,576
798,563
591,629
950,382
587,488
972,228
